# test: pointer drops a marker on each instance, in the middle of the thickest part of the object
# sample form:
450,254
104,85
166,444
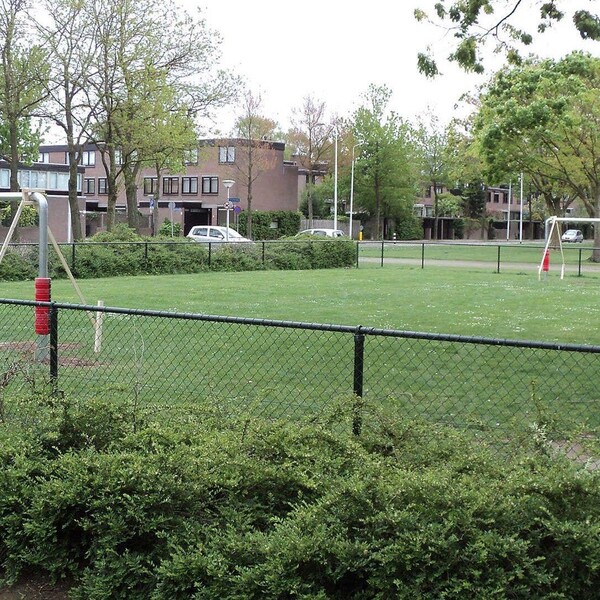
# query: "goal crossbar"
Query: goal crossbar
551,228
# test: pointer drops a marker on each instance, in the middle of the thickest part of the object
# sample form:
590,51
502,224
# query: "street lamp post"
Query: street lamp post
521,213
352,190
508,212
335,181
227,183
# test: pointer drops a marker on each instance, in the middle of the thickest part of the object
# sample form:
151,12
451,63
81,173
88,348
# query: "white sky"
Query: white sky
333,50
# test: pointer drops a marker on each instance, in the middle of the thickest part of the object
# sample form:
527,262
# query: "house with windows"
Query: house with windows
52,178
502,206
195,196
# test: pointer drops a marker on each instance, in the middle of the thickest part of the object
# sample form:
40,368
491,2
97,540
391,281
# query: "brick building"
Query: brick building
195,196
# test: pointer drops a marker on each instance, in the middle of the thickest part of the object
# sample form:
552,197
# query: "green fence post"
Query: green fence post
359,363
54,348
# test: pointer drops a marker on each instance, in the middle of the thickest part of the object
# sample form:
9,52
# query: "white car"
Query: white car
214,234
323,232
572,235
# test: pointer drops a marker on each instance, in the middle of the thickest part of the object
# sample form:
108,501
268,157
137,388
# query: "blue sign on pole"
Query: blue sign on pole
234,199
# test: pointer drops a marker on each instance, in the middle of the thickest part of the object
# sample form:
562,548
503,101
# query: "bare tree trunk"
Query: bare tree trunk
130,177
155,213
74,153
596,250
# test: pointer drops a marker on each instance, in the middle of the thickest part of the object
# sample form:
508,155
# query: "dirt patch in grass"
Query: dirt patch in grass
27,351
36,587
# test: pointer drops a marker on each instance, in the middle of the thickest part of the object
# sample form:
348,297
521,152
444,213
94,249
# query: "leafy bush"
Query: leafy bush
18,266
134,506
175,256
169,229
310,254
29,216
236,257
122,252
288,223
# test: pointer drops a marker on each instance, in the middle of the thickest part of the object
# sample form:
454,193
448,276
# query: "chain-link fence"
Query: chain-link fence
497,389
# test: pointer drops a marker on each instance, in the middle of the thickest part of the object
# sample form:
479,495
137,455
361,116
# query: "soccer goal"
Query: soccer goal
552,229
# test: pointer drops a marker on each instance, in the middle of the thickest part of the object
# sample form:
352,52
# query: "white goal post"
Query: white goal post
551,228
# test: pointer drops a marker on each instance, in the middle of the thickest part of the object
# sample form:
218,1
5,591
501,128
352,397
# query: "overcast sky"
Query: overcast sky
333,50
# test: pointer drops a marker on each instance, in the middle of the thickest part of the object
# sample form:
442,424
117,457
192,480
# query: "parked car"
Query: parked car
323,232
214,234
572,235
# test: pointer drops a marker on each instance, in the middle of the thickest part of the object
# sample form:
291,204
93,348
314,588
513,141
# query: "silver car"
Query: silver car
323,232
215,234
572,235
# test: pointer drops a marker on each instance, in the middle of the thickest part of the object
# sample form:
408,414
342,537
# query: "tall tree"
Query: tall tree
431,140
68,36
386,177
141,39
474,22
311,137
22,85
543,118
253,155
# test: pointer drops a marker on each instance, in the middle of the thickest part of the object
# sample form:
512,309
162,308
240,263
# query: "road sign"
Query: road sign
171,205
237,209
227,205
234,200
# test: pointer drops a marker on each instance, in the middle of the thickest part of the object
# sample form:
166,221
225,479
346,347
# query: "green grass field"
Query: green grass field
510,253
442,300
291,372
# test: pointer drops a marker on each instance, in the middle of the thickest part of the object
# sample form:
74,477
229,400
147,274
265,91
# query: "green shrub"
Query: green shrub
122,252
288,223
169,229
29,216
175,256
303,253
119,233
132,506
18,266
235,257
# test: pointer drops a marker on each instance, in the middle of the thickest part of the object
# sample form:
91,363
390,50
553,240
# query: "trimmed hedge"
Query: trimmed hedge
122,252
136,506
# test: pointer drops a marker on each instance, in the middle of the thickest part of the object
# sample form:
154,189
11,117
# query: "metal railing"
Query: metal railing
496,255
497,389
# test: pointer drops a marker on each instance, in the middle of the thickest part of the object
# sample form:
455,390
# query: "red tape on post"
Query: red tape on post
546,261
42,313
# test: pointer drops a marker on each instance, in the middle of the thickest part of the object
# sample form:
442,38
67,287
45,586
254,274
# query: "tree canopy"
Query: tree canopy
386,172
475,22
543,118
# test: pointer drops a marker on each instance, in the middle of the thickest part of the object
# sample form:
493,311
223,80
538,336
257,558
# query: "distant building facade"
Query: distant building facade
195,196
53,180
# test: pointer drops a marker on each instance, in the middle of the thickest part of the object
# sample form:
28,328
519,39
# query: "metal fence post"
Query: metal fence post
498,258
423,256
579,266
382,250
73,257
359,363
54,348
